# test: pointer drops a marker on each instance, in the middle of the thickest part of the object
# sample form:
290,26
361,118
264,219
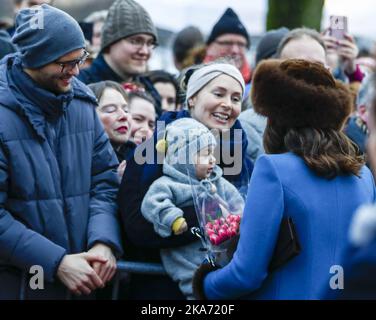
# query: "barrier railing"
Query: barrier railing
129,267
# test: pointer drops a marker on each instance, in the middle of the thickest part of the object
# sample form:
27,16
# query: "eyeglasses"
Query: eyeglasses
229,44
138,43
70,65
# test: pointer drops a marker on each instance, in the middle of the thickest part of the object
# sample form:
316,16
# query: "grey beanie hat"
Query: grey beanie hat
185,137
126,18
202,76
186,39
44,34
268,45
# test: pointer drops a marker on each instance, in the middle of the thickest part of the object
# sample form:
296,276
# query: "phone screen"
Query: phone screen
338,27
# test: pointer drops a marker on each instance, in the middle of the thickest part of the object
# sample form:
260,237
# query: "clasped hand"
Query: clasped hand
84,272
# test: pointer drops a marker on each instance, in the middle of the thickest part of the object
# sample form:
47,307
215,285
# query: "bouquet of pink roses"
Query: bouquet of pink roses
222,229
219,221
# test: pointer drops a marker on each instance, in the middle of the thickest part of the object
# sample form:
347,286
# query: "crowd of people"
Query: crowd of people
99,156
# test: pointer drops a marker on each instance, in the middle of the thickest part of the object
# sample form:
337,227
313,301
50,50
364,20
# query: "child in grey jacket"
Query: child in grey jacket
189,159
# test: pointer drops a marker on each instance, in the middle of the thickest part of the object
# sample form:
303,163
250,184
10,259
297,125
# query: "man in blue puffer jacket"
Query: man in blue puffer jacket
58,179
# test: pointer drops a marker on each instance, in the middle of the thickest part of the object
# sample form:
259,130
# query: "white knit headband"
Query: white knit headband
207,73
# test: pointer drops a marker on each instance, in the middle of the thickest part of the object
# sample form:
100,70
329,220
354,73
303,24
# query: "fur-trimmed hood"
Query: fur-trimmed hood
299,93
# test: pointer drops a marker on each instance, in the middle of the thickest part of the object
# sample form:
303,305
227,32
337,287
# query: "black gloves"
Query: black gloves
198,280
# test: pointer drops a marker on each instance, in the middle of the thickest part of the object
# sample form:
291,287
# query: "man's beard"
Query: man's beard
52,84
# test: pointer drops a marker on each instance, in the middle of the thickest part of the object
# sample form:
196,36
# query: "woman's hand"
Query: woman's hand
348,52
198,280
330,42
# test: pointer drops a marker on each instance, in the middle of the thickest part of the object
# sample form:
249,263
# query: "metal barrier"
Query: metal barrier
129,267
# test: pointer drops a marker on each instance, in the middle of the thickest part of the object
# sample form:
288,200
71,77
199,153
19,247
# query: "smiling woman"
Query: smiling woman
113,111
218,104
167,87
142,110
214,93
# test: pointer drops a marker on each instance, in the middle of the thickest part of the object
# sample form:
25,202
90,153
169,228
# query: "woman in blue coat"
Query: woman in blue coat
214,95
312,173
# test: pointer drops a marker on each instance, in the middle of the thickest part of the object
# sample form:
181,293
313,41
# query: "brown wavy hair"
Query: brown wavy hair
328,152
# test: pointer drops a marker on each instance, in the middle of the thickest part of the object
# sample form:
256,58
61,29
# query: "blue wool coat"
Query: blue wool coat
282,185
58,181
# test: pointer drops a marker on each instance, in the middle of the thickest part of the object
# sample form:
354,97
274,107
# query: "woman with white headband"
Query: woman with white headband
213,96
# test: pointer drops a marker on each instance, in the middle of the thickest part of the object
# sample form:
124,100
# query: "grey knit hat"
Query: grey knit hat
185,137
202,76
126,18
268,45
186,39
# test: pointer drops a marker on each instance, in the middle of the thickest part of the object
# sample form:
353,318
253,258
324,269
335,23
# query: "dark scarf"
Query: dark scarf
34,98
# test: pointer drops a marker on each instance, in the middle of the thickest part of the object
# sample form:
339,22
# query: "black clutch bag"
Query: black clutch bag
287,246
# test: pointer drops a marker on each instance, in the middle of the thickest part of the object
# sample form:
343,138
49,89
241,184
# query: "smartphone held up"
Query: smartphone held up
338,27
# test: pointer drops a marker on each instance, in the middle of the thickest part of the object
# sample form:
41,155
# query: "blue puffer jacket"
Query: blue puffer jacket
58,180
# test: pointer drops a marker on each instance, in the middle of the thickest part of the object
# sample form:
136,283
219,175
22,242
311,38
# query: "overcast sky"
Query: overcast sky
176,14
